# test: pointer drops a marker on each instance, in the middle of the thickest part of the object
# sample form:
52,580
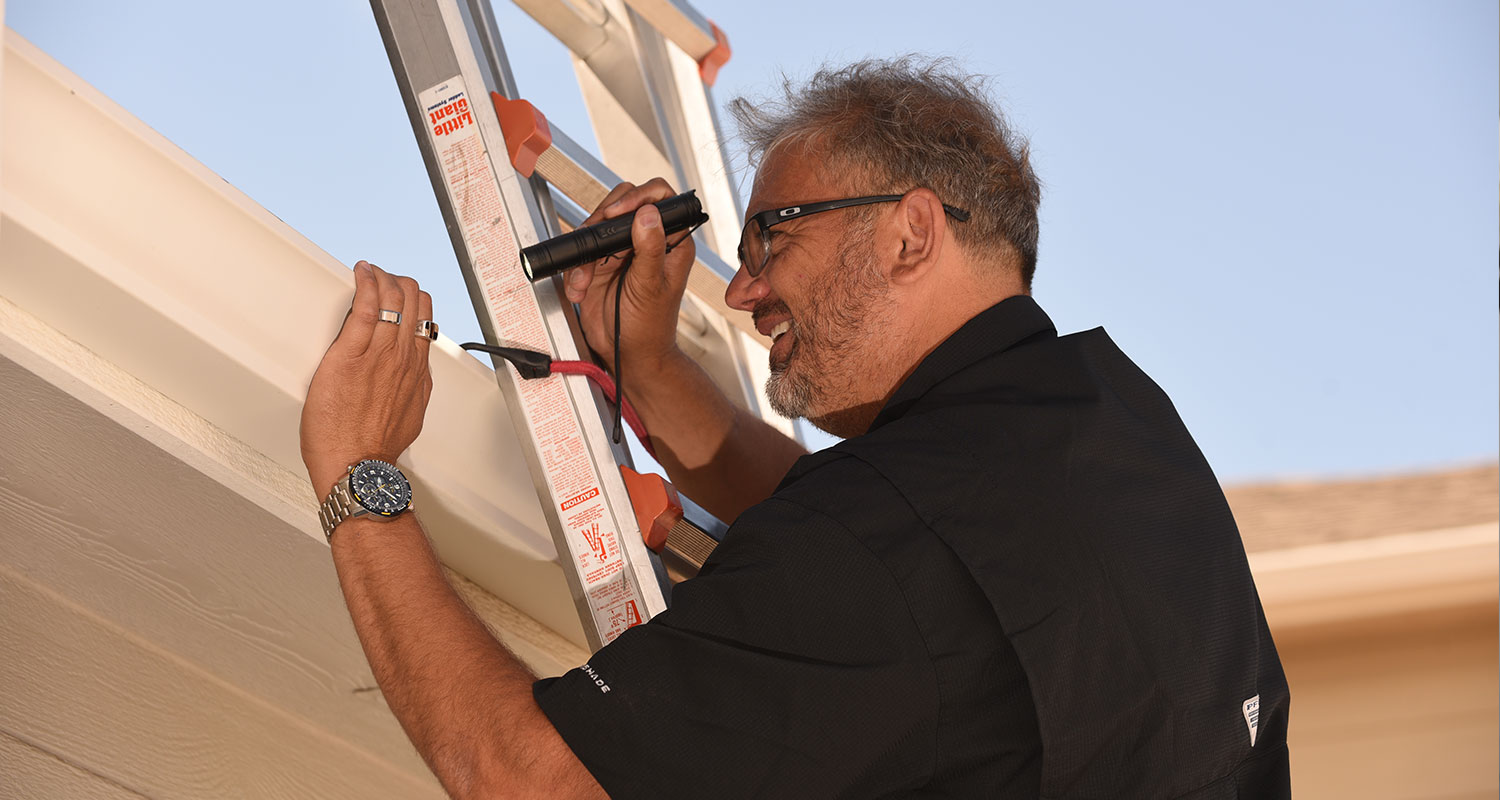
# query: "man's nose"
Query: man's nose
744,292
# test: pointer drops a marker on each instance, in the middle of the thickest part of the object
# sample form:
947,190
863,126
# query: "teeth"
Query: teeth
780,329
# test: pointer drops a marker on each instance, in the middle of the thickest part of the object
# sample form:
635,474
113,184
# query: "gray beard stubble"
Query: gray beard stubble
835,321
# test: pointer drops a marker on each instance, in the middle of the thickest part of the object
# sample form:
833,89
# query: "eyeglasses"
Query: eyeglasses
755,240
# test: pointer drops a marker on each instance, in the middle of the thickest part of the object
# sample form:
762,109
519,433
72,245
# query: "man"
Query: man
1017,577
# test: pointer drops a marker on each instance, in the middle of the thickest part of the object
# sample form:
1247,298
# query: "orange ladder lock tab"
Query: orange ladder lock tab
622,537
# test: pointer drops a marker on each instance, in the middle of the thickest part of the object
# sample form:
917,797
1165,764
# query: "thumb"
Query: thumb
650,244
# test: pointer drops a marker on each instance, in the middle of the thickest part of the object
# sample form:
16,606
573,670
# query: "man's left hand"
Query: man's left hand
369,395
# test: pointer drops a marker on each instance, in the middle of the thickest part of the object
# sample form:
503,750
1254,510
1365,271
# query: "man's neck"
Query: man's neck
909,340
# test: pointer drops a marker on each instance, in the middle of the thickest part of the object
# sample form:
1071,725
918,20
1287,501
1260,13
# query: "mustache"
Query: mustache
767,308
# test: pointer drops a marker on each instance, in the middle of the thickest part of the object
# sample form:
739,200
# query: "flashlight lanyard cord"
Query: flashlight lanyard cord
531,364
619,375
611,393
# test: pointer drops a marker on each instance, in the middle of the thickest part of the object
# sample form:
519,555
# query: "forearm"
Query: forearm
715,452
462,698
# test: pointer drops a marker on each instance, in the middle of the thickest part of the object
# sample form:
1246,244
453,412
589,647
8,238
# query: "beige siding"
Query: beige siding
133,714
27,773
1396,708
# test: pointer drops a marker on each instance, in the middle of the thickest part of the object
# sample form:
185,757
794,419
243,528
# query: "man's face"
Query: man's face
820,298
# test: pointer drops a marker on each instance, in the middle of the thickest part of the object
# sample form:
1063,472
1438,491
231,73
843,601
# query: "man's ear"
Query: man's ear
918,229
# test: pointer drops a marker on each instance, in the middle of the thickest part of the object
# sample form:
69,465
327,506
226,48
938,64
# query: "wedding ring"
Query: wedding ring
426,329
387,315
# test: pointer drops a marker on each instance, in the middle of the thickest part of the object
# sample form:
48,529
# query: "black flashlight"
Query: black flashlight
593,242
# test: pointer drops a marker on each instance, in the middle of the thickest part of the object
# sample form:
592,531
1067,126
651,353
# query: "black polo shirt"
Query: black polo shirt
1024,581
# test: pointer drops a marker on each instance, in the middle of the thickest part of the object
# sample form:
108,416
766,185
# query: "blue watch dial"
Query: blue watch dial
380,487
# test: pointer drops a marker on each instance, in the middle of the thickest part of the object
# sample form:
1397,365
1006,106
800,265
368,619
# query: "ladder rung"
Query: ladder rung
536,146
583,26
580,26
696,535
689,543
445,59
706,281
682,25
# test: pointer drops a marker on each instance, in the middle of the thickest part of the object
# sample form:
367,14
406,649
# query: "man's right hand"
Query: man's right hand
724,457
654,283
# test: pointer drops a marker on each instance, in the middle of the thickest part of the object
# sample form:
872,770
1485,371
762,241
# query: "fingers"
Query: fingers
424,311
402,293
624,199
391,298
608,201
424,344
411,298
577,280
650,244
359,323
652,191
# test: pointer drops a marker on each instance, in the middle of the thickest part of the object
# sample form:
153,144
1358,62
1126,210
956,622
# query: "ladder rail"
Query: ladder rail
537,147
644,68
682,24
447,60
686,110
678,135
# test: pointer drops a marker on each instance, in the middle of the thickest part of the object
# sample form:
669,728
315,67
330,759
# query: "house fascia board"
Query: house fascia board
75,375
125,506
121,242
1366,578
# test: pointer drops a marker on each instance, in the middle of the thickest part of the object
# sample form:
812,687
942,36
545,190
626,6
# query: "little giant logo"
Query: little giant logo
604,687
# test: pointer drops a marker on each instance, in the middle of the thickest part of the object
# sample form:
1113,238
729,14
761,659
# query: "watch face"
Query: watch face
380,487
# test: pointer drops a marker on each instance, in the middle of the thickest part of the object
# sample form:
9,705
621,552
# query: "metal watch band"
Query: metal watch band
339,506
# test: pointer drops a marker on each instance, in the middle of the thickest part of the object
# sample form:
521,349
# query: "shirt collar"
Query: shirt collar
994,330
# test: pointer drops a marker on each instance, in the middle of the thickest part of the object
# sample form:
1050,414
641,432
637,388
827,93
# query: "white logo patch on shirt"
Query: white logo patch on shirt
593,675
1251,709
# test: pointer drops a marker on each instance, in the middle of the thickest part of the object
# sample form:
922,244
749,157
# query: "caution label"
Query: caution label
589,530
573,501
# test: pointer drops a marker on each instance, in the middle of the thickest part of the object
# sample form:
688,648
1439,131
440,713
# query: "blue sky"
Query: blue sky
1285,212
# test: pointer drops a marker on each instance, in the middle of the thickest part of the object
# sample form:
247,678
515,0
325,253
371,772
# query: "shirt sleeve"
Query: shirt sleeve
790,667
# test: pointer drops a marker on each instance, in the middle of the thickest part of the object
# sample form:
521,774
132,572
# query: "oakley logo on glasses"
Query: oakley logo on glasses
787,212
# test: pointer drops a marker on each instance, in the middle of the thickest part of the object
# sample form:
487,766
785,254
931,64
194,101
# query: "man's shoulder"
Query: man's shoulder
1028,427
836,486
831,474
925,461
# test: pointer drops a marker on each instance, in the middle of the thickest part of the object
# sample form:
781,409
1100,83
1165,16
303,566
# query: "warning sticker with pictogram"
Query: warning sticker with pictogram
589,530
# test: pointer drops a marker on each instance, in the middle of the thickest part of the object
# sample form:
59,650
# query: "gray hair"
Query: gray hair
913,122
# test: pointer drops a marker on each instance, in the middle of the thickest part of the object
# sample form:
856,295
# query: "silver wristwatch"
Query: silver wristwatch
372,488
